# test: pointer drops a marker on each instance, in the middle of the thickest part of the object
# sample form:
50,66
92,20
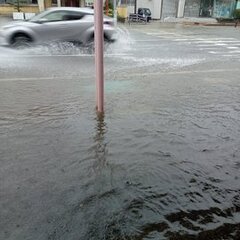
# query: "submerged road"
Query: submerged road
164,161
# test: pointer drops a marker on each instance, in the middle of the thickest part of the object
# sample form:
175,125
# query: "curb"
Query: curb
210,24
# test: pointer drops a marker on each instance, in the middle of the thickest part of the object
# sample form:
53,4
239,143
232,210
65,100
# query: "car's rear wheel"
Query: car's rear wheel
91,45
20,41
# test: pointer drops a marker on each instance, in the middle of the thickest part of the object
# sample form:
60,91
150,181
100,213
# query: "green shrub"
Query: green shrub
236,14
121,19
225,20
110,12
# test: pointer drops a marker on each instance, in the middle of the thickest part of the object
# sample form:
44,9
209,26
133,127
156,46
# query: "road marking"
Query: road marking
43,78
220,44
236,51
147,40
208,48
228,55
206,45
203,43
162,33
180,40
185,72
233,47
54,55
224,41
128,75
235,44
70,55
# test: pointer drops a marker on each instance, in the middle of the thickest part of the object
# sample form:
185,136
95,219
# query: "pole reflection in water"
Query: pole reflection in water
102,186
100,144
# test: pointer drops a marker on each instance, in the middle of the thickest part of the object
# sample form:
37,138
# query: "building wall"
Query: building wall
219,8
160,8
157,10
192,8
223,8
169,8
146,4
181,6
6,9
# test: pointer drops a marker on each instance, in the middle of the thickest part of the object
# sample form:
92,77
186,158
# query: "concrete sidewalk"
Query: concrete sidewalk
198,21
190,20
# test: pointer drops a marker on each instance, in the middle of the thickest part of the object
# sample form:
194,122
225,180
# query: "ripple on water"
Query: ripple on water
141,174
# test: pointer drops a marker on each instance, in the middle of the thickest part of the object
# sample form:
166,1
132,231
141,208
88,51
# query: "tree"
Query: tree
17,4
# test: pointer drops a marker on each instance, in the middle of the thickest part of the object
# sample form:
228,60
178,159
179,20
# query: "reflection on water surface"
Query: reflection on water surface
164,169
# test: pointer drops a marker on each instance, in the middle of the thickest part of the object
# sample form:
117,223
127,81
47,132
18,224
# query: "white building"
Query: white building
185,8
159,8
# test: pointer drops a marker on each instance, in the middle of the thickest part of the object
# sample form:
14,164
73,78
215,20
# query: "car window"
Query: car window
54,16
49,16
71,16
147,11
37,17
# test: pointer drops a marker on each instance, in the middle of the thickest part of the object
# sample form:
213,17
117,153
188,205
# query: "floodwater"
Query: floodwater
162,163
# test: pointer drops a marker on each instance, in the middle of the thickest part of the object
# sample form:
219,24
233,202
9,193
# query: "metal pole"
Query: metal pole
115,12
98,39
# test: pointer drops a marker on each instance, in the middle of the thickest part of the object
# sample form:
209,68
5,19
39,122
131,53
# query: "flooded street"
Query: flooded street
164,161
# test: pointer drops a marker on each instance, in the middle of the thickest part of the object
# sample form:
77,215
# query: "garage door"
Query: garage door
169,8
192,8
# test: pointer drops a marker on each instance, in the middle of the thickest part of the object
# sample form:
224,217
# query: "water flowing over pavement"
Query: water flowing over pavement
164,161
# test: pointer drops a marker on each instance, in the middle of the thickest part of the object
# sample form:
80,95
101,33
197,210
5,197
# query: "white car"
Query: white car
57,24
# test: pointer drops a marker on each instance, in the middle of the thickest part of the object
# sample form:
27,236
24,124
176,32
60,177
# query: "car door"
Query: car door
51,26
76,23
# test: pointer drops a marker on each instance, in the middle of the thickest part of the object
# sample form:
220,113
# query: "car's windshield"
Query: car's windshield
38,16
147,11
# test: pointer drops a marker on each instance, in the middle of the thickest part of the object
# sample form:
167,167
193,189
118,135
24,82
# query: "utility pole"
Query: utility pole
135,6
99,66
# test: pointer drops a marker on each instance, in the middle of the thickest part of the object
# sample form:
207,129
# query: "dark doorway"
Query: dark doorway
206,8
72,3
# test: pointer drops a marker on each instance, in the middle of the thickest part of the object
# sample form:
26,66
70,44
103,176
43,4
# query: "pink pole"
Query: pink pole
98,39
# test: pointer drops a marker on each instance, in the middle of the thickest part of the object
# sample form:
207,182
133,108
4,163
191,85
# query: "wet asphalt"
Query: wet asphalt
162,163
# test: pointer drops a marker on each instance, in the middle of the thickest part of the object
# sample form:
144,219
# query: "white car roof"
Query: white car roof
85,10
